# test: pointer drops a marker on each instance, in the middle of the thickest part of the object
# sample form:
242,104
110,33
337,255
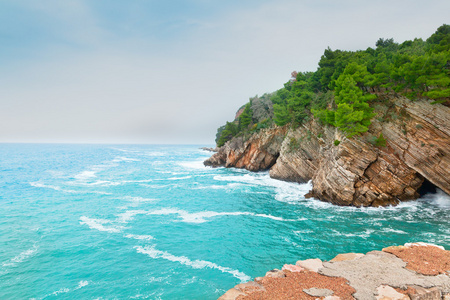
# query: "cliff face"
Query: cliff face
259,152
355,172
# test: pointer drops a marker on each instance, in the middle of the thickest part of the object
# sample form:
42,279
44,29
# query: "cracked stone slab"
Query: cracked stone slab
315,292
377,268
386,292
310,264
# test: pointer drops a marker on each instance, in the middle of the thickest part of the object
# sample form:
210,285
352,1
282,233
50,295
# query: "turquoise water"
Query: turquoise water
150,222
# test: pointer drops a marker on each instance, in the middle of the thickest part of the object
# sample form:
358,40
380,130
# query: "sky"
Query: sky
172,71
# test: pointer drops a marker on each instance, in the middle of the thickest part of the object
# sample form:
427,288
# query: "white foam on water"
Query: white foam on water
138,199
204,216
56,188
97,183
59,189
196,264
136,181
386,229
85,175
61,291
197,164
154,153
98,224
365,234
124,159
128,215
21,257
440,199
139,237
289,192
81,284
179,178
126,150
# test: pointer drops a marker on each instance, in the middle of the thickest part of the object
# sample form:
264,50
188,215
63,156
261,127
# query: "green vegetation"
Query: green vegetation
337,142
339,93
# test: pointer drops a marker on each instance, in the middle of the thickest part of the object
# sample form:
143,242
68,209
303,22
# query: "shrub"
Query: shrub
337,142
380,141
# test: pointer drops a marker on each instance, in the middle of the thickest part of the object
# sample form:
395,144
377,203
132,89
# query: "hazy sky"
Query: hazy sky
160,71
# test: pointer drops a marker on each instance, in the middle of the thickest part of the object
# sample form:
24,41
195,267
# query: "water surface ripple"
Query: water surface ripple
151,222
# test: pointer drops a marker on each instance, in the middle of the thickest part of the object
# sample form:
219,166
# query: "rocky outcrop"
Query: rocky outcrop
259,152
355,171
415,271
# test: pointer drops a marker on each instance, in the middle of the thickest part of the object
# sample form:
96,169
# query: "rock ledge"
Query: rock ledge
416,271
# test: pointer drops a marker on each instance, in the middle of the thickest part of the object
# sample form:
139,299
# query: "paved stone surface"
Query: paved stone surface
377,268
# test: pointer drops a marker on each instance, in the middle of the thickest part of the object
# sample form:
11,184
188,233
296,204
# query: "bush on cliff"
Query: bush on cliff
415,68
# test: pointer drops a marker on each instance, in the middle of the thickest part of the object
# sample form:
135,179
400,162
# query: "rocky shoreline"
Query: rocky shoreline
416,271
355,171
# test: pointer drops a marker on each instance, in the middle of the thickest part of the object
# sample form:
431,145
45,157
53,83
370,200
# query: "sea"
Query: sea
151,222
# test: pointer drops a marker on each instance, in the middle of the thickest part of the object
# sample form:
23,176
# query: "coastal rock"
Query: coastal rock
275,273
292,268
421,293
347,256
258,152
310,264
315,292
385,292
355,171
375,275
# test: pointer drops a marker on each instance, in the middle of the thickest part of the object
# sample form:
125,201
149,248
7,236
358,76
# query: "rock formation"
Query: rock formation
416,271
355,171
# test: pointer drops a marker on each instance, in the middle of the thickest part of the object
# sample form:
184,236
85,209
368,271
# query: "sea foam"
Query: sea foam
196,264
204,216
21,257
98,224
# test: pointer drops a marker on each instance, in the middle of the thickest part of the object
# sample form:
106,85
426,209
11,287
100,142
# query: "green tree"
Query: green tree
245,118
353,113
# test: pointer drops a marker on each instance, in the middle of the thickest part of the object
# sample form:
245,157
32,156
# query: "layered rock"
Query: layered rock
259,152
354,171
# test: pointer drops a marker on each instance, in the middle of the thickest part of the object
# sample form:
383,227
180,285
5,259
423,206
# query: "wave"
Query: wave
201,217
440,199
82,284
139,237
56,188
197,164
59,189
138,199
98,224
21,257
129,215
196,264
179,178
289,192
85,175
61,291
125,159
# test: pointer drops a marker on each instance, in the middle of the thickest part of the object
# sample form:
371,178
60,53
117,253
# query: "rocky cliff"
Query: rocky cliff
355,171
